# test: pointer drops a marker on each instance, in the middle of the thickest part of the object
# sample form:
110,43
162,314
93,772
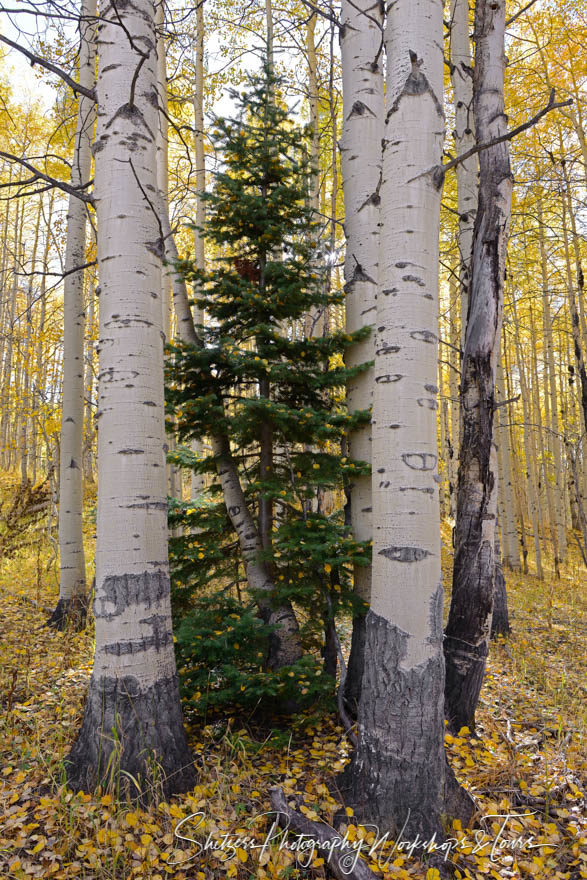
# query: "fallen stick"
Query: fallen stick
343,863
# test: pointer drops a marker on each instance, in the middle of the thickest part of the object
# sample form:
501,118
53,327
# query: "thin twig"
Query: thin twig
478,148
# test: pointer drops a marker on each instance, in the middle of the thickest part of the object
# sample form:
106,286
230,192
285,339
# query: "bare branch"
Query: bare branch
520,12
40,175
48,65
552,105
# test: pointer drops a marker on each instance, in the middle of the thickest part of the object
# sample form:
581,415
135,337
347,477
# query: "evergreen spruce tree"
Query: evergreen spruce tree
279,398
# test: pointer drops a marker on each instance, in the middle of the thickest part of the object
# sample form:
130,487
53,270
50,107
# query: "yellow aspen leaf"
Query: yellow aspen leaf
242,854
132,819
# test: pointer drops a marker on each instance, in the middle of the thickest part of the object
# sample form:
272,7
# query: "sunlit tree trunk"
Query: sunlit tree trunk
26,403
529,450
360,154
511,552
551,393
398,776
72,577
469,623
133,722
7,366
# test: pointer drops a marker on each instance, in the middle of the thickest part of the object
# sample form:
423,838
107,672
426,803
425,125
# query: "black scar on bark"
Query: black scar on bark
398,776
121,591
404,554
70,614
149,744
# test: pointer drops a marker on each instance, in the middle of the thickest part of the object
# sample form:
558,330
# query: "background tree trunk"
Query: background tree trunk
72,579
469,623
360,152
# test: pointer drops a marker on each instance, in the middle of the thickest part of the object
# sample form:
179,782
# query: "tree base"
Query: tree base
70,614
399,777
132,741
352,685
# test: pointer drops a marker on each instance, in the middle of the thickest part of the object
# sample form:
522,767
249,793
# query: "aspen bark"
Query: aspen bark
529,452
360,153
398,776
72,567
469,624
554,436
197,480
508,520
133,720
461,73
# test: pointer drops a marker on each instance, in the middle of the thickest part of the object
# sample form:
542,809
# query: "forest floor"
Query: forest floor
526,763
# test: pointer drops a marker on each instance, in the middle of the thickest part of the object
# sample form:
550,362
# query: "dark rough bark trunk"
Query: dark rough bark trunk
500,620
69,614
132,727
352,689
135,730
393,777
329,650
469,623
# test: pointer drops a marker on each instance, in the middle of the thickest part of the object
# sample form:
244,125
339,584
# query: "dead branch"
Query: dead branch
478,148
53,68
341,858
40,175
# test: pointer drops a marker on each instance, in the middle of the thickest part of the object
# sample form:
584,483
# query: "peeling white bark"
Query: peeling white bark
72,581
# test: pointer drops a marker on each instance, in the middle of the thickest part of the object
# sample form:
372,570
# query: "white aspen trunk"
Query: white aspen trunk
461,72
313,102
197,480
133,719
508,520
72,564
543,466
466,644
88,456
26,405
9,330
360,155
269,34
453,385
398,776
529,452
40,371
554,437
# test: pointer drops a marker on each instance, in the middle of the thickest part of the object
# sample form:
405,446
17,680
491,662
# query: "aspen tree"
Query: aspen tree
133,719
398,776
469,623
508,520
197,484
72,567
551,392
360,155
461,73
